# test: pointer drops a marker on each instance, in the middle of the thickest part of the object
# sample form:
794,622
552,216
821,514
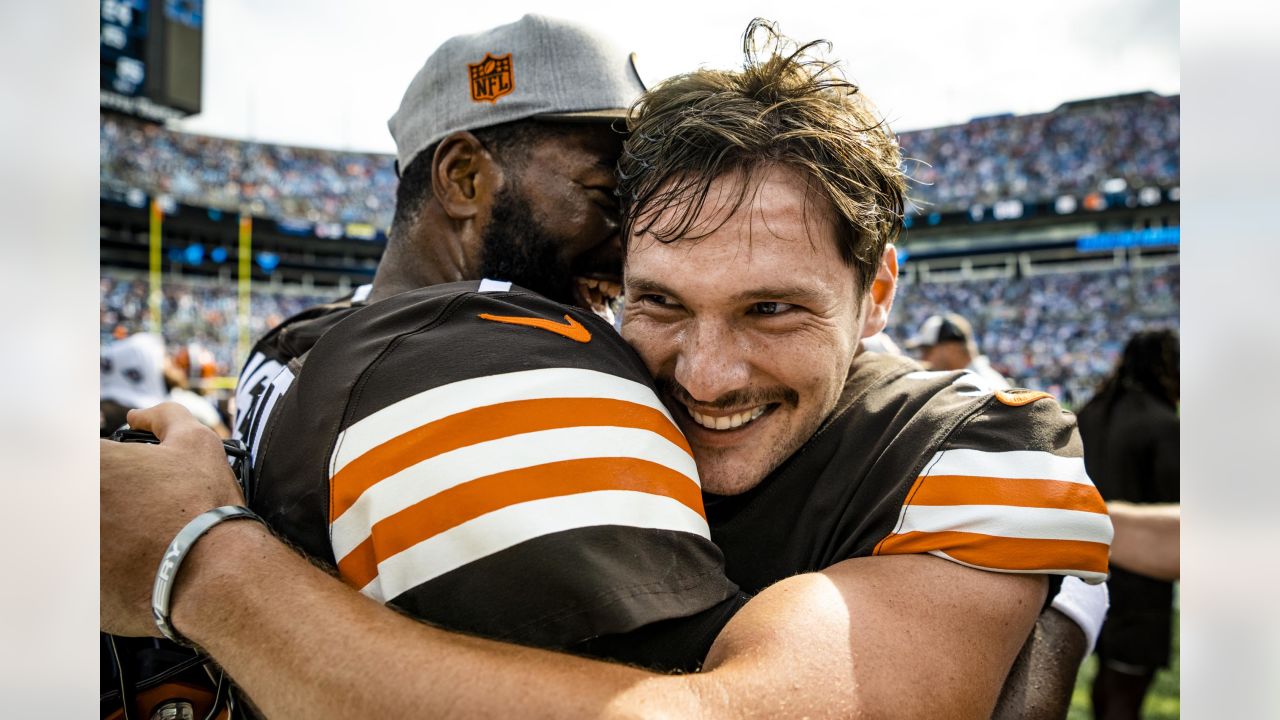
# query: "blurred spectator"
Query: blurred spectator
136,372
946,342
1147,538
131,376
1130,434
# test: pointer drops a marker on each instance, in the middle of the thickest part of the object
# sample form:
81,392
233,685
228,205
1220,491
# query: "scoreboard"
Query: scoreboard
151,55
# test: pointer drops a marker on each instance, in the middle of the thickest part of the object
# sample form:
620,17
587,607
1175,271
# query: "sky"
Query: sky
328,73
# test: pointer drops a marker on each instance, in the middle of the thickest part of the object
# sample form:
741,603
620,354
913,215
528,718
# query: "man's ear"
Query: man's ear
880,299
464,176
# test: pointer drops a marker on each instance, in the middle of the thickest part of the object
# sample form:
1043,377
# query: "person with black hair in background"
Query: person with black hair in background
1130,434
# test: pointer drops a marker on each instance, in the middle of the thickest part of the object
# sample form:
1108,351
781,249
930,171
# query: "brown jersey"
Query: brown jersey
492,462
923,462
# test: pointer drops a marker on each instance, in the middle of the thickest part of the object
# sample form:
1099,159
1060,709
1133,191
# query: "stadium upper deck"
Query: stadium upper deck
1077,148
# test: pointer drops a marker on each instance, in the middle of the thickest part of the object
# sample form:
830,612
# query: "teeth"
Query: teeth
607,288
727,422
596,295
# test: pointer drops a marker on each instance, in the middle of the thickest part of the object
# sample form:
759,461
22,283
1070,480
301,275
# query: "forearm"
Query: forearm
270,619
1146,539
1040,684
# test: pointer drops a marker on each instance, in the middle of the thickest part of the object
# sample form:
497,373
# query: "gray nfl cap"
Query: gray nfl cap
536,67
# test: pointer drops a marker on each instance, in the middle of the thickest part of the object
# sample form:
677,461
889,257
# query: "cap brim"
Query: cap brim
586,115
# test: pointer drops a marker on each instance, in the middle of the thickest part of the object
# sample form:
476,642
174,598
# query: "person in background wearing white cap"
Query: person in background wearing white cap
131,375
431,671
946,342
136,372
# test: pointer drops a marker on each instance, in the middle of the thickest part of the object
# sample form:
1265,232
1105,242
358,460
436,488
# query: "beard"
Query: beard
517,248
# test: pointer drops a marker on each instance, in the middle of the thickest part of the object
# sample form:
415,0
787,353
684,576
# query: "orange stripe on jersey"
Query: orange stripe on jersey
1004,553
971,490
487,423
455,506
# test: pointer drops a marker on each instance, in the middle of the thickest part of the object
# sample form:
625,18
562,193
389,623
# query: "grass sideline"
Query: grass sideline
1163,700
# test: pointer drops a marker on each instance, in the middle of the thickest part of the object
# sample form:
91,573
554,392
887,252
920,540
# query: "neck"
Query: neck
424,258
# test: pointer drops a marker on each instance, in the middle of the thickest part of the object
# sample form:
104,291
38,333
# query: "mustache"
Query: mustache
744,397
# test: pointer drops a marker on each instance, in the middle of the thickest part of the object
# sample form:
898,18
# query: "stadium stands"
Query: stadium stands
269,180
195,313
1059,333
1076,148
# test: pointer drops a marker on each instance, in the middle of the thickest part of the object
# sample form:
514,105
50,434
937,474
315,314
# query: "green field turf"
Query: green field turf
1162,700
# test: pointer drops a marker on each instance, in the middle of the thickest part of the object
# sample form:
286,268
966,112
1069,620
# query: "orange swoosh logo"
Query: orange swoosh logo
574,330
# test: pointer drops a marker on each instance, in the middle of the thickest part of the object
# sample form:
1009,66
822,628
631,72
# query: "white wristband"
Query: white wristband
1085,604
167,575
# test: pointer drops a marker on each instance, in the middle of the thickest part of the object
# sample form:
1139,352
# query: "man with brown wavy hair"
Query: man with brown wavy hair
898,525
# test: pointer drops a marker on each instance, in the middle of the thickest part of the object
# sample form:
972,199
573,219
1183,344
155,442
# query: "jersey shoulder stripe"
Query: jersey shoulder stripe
1000,510
669,470
549,383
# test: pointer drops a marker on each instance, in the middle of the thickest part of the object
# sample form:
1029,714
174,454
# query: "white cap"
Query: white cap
132,371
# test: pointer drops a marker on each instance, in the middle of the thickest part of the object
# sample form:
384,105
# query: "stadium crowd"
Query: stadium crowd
198,318
1059,333
1074,149
274,181
1031,157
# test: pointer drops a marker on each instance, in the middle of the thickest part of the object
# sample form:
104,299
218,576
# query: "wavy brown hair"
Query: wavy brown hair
784,107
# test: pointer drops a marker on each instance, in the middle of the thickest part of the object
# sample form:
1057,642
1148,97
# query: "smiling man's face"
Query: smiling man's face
750,330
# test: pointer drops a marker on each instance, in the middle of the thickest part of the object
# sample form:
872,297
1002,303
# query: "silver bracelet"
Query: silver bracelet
167,575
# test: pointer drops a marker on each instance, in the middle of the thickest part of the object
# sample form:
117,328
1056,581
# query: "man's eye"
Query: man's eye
659,300
770,308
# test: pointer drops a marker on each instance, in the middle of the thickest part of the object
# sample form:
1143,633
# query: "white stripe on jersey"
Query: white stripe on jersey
1014,464
441,402
926,374
1007,521
512,525
487,285
1093,578
436,474
969,384
972,384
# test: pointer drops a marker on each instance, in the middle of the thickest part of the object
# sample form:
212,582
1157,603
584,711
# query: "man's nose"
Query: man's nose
711,362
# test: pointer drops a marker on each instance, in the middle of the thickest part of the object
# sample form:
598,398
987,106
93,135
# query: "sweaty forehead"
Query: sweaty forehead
771,228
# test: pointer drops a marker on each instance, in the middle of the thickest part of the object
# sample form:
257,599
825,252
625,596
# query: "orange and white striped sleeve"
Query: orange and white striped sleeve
1008,510
465,470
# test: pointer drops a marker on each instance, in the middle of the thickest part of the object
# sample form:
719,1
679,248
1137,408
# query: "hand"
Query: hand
148,493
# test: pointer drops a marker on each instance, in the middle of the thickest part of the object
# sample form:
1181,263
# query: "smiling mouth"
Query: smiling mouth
732,421
597,293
